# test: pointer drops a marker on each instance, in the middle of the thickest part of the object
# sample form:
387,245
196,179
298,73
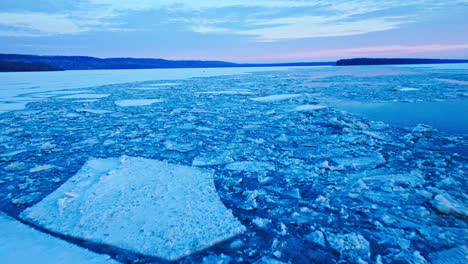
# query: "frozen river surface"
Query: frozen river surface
236,165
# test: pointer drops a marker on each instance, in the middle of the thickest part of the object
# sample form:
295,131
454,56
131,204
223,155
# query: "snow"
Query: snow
147,206
306,108
20,243
276,97
137,102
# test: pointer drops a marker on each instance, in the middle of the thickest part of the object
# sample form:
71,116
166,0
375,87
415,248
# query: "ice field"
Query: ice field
250,165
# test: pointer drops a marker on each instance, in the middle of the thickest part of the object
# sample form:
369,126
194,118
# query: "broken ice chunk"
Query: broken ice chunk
351,245
212,160
251,166
179,147
276,97
360,161
447,205
147,206
137,102
41,168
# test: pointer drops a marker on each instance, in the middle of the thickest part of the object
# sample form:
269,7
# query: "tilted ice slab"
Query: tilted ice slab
147,206
137,102
307,108
20,243
276,97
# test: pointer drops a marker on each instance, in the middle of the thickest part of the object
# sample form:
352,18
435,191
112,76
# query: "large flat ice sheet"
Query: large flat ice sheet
20,243
147,206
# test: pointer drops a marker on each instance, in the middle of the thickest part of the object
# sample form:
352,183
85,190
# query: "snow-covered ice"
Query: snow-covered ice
20,244
151,207
137,102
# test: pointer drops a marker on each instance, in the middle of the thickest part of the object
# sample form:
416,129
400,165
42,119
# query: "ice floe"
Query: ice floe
20,243
276,97
137,102
146,206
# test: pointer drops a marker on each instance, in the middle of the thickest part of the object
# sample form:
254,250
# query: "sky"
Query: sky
236,30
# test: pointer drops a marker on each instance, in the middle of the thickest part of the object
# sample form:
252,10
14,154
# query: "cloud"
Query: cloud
314,27
260,20
208,29
35,24
199,4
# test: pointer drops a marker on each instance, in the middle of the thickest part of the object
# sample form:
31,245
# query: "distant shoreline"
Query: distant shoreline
22,63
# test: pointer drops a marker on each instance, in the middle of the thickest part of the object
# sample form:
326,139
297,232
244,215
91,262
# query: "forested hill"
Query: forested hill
14,66
386,61
92,63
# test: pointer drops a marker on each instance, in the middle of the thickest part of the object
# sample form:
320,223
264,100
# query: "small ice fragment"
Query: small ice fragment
261,222
137,102
306,108
276,97
408,89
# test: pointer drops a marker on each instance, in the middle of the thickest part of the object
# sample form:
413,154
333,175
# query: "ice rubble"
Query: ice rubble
146,206
20,243
137,102
309,186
